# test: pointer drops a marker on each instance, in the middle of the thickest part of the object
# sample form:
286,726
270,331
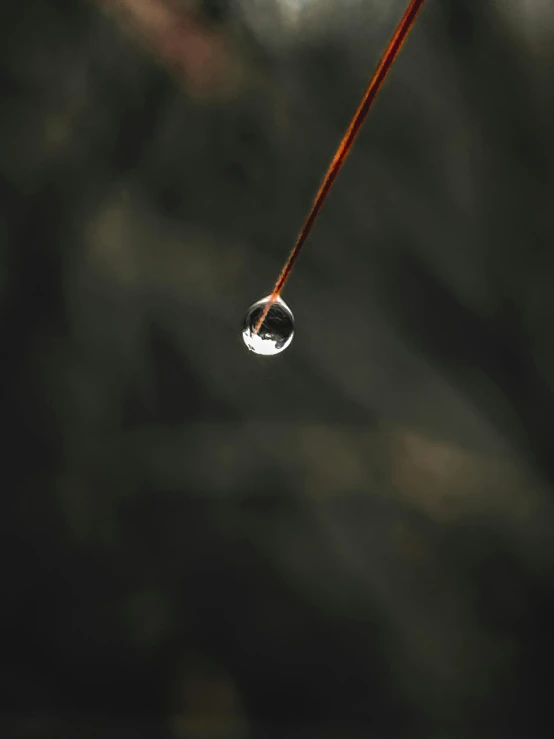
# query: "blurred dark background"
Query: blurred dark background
354,538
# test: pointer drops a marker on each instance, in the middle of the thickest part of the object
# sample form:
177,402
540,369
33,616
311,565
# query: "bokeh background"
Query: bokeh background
354,538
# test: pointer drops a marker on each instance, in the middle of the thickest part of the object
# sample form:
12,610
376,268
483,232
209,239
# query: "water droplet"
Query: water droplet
276,331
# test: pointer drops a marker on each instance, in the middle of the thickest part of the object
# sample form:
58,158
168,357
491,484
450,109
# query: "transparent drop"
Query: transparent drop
276,331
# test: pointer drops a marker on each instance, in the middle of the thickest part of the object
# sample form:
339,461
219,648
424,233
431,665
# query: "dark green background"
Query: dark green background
353,538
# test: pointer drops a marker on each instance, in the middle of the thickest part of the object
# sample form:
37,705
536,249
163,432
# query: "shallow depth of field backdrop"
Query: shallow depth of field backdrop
353,539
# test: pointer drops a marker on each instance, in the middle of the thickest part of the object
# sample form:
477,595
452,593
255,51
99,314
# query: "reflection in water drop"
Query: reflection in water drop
276,331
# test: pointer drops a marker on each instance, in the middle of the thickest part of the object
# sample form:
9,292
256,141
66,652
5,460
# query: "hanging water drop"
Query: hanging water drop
274,333
277,330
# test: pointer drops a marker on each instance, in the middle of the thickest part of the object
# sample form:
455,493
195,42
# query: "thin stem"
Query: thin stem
379,76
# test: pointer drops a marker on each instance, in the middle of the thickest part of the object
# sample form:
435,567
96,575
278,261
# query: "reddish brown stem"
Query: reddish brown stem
379,76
